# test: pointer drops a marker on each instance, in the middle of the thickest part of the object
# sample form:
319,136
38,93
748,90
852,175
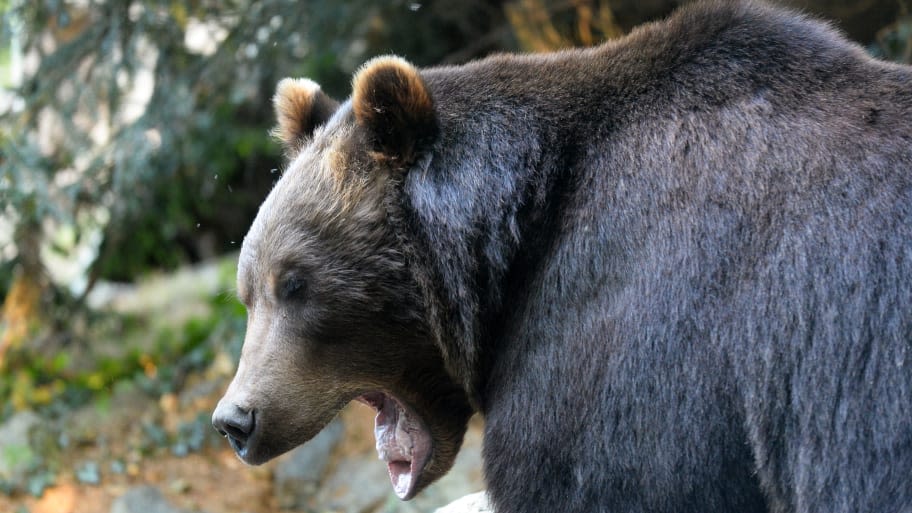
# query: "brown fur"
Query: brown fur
300,107
672,272
391,100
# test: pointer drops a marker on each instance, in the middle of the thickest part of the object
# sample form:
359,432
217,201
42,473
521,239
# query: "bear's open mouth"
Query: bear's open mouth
403,441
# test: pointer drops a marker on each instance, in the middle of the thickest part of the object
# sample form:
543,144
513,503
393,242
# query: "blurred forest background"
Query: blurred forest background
134,152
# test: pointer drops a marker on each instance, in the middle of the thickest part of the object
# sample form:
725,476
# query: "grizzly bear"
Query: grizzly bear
673,273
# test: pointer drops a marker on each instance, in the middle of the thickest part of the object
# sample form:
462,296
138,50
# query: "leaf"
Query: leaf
37,483
88,473
18,456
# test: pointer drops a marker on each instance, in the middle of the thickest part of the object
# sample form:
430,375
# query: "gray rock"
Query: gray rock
127,411
18,453
297,476
144,499
474,503
357,485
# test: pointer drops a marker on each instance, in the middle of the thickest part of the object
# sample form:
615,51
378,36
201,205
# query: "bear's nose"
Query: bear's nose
234,423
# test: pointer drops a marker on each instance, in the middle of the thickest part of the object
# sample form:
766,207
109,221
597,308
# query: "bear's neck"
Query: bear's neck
465,214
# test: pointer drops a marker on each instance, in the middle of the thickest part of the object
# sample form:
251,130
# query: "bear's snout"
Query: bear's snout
235,424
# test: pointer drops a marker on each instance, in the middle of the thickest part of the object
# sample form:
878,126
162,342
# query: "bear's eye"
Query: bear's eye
292,287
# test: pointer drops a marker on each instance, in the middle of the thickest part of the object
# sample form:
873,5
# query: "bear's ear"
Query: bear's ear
393,105
300,107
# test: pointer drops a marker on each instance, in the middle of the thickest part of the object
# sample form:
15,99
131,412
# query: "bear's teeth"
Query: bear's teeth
403,481
385,437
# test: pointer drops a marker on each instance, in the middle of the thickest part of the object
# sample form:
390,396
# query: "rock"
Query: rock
144,499
18,453
297,476
162,292
473,503
83,426
357,485
128,410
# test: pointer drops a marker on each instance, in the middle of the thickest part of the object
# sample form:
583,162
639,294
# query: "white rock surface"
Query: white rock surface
17,451
473,503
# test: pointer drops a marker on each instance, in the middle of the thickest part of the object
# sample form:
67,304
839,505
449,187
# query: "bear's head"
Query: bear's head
335,312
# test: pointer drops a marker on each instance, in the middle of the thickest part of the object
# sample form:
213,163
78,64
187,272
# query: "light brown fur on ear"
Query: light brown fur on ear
300,107
391,101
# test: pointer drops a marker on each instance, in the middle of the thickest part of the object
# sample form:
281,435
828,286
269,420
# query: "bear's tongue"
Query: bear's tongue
402,441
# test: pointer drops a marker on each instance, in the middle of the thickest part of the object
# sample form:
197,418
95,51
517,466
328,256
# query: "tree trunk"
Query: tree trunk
21,314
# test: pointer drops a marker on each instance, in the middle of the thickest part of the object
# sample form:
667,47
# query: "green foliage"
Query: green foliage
39,382
18,455
149,150
130,117
35,471
88,473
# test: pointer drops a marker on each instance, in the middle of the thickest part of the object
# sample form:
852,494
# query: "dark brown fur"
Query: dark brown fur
673,272
391,102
